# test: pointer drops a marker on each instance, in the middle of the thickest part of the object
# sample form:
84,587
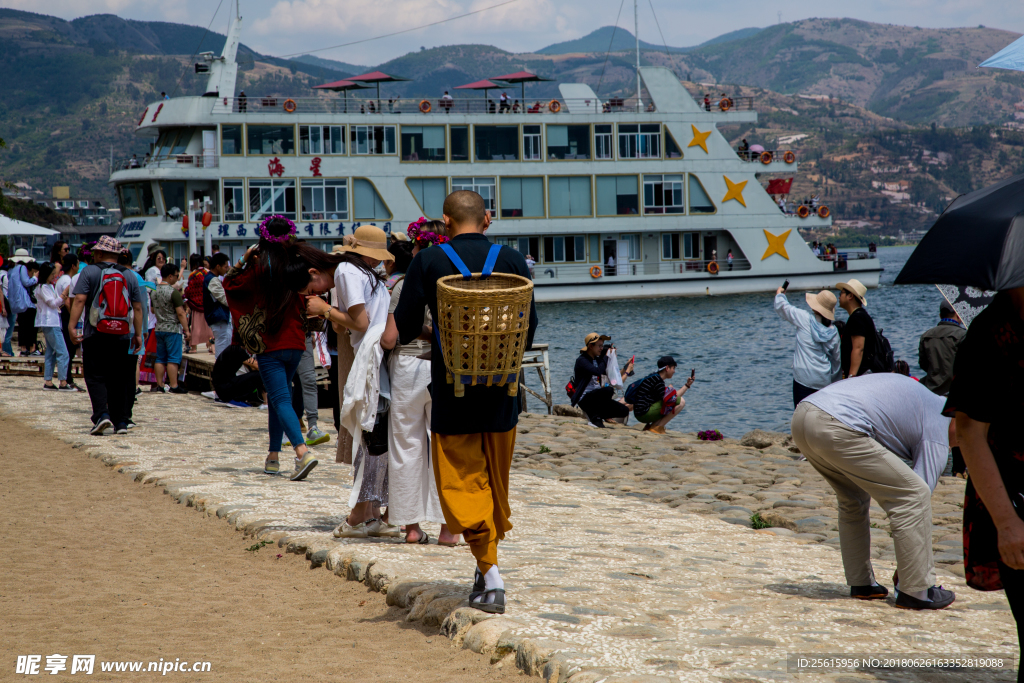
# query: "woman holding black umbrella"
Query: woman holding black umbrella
978,242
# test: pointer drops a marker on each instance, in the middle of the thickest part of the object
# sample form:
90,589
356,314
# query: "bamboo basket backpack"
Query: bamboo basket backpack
482,324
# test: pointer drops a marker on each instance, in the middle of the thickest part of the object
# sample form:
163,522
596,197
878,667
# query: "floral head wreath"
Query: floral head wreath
265,234
417,233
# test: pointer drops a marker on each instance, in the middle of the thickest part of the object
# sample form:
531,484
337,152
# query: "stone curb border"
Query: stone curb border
441,604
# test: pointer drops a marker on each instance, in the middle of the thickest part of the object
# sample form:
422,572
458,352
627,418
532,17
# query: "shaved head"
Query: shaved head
465,208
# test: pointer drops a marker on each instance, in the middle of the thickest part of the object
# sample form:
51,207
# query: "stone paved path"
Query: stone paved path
605,583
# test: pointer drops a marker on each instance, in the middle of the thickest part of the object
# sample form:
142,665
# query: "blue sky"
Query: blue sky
288,26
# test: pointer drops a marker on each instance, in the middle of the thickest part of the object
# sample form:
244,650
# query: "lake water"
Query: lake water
741,349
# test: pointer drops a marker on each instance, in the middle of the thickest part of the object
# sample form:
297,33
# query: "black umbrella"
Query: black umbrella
978,241
968,302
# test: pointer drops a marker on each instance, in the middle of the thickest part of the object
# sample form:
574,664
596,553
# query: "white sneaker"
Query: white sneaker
212,395
343,530
378,528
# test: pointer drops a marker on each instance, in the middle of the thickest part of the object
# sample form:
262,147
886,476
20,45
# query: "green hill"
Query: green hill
622,40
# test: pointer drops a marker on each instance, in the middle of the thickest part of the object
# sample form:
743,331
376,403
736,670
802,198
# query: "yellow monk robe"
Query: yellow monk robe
471,471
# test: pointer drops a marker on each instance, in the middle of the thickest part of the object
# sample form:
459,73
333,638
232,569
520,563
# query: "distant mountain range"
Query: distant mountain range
73,90
621,40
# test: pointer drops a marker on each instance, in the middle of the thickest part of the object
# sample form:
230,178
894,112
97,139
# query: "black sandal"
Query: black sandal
424,538
497,606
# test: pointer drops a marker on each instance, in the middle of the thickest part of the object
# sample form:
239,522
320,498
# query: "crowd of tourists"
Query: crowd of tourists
874,432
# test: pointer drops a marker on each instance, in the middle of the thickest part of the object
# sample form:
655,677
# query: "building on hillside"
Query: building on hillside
90,216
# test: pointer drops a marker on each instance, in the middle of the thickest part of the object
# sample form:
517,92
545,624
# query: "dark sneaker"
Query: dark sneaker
939,598
101,426
138,390
66,388
50,387
130,425
869,592
178,390
154,389
121,429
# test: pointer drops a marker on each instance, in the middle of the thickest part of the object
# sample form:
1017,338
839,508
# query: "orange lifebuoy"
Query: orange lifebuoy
554,106
425,106
290,106
803,211
595,271
725,104
823,212
789,157
713,267
766,157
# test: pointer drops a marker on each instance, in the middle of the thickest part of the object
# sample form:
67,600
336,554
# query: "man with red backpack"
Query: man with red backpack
110,297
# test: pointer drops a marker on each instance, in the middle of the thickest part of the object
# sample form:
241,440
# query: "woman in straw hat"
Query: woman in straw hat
362,311
816,355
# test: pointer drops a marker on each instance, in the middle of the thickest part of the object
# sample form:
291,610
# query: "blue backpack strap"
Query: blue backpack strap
454,258
492,258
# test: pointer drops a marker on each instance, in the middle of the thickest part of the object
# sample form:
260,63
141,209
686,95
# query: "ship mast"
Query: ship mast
224,69
636,34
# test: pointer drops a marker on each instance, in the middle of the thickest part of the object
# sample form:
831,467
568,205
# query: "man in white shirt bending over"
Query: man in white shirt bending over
881,436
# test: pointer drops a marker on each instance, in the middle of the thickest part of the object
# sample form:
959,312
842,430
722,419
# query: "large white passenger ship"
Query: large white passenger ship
613,198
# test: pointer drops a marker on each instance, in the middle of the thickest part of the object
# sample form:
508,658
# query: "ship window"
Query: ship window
528,246
595,248
569,196
639,141
270,140
617,195
271,196
569,142
691,245
234,200
137,199
429,193
230,140
373,139
321,139
603,141
496,143
482,186
423,143
670,246
173,192
324,199
460,143
559,249
699,200
672,150
181,143
522,198
663,194
531,143
368,204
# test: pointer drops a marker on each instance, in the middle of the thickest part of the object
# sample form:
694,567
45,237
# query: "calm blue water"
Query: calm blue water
741,349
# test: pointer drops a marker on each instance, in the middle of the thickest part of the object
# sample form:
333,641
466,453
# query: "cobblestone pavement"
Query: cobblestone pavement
605,581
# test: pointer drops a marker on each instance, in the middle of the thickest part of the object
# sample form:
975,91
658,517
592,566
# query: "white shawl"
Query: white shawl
362,391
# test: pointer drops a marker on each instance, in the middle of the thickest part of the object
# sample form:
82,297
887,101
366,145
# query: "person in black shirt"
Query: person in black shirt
473,436
857,345
650,397
229,385
986,399
596,401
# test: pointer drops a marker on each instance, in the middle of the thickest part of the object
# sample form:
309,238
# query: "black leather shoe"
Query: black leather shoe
869,592
939,598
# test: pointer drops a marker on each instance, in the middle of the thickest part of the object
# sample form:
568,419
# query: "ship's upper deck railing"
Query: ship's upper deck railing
211,160
724,104
766,156
437,105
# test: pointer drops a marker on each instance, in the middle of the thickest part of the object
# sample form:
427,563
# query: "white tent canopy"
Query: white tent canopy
10,226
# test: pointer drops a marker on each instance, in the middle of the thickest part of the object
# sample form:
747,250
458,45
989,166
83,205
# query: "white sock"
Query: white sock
492,580
920,595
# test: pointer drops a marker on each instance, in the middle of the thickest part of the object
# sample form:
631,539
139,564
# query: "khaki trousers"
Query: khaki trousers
472,482
859,468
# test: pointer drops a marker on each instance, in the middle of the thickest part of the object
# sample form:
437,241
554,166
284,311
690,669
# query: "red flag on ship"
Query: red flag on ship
779,185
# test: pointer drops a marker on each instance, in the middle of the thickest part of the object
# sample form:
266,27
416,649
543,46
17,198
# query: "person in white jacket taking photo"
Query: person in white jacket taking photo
816,355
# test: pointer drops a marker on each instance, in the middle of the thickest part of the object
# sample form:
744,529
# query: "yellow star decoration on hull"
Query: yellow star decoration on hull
776,244
699,139
735,191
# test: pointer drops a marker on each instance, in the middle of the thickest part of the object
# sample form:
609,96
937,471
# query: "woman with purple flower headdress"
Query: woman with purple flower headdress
270,324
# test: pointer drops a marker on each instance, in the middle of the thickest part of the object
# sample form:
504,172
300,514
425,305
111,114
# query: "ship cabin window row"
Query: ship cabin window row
441,143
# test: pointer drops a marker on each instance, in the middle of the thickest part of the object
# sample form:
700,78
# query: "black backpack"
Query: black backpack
631,390
883,359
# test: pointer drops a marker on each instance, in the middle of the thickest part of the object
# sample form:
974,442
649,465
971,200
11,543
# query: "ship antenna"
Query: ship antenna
636,34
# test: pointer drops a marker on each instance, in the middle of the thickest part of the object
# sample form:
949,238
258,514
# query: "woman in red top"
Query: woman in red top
270,324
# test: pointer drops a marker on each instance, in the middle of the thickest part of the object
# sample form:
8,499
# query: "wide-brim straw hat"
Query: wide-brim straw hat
21,256
369,240
824,302
593,337
856,288
153,248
